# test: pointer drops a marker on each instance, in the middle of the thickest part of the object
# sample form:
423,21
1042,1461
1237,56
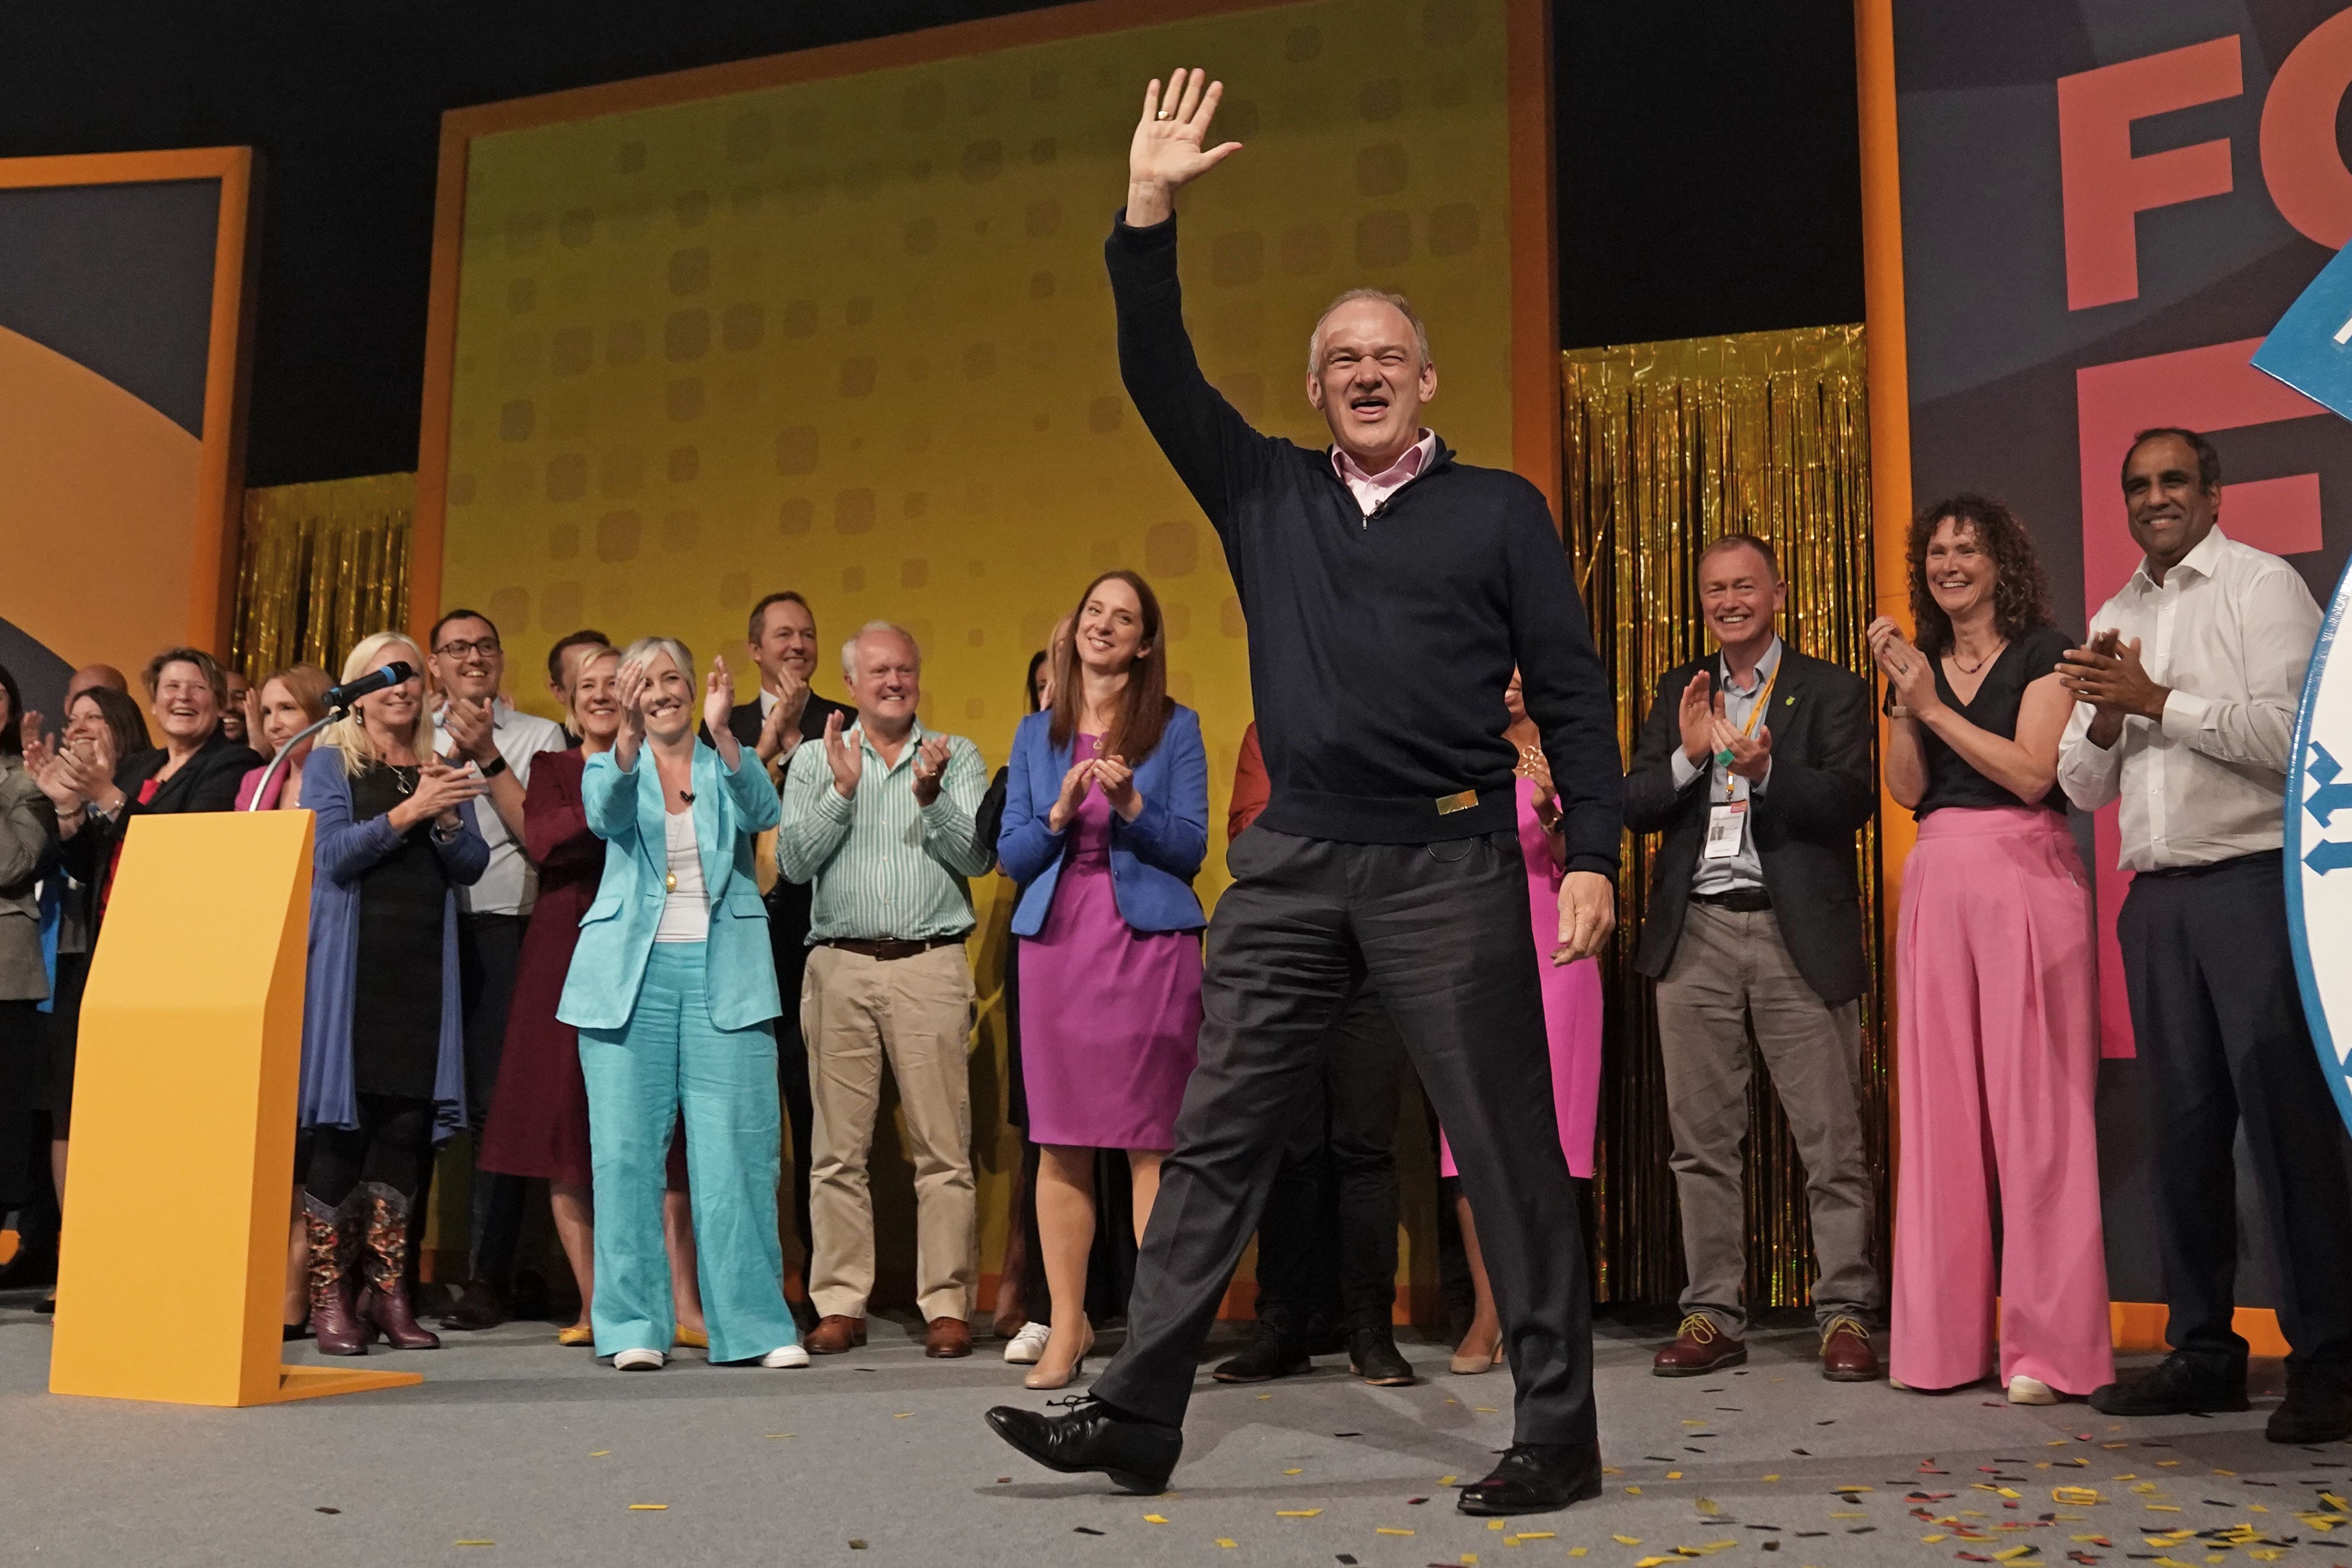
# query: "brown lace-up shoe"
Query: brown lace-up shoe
1700,1348
835,1334
947,1338
1847,1355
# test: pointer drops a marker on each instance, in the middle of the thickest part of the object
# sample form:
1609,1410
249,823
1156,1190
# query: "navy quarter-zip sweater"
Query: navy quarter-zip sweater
1379,646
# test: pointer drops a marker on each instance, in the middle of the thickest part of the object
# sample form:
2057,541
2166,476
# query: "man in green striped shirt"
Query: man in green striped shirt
880,818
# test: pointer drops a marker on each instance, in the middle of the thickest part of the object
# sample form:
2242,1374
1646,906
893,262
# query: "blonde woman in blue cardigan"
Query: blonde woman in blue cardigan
673,989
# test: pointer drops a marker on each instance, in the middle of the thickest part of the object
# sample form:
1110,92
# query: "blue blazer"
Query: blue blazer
617,934
1154,859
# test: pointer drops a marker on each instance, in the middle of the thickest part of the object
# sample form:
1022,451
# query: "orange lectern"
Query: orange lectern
182,1179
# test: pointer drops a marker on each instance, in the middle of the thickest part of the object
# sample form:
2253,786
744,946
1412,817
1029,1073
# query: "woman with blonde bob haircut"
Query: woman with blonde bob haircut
382,1042
673,989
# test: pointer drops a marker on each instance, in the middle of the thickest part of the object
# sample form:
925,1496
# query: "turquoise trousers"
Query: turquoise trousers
667,1057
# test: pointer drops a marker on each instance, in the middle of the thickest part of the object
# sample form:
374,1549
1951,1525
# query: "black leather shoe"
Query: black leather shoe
1137,1454
1271,1354
477,1305
2318,1409
1372,1355
2174,1387
1536,1477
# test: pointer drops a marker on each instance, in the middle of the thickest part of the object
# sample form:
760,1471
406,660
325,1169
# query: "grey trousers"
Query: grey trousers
1731,971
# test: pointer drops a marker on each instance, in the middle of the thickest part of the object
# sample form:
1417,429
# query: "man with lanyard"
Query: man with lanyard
1756,764
475,723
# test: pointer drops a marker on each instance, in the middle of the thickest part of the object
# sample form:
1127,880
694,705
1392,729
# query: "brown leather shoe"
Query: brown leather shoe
1847,1355
835,1334
1700,1348
947,1338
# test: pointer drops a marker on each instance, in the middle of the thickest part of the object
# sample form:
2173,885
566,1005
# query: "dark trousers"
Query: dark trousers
1327,1243
489,949
793,1073
1442,931
2221,1031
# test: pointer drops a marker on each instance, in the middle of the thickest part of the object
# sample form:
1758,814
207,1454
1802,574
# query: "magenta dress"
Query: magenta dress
1571,1003
1110,1017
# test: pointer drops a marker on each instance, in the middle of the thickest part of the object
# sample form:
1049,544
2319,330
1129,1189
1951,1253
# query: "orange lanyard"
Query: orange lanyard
1755,714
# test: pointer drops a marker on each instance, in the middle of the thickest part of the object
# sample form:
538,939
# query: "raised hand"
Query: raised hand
1118,781
249,704
1072,796
32,741
1170,148
1588,913
780,732
467,722
930,769
1697,716
1911,673
718,696
846,757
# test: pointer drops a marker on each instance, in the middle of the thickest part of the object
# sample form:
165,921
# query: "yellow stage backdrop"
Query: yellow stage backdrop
852,335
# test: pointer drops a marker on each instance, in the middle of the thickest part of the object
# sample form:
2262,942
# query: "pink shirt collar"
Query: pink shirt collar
1370,490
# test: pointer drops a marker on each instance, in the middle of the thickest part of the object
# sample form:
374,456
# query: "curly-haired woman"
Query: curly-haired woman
1998,1034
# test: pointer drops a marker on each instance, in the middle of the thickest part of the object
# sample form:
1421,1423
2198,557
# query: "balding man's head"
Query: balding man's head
96,678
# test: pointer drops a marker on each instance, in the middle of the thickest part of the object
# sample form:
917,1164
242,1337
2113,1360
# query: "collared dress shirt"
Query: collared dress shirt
1745,870
1370,490
884,867
511,885
2229,630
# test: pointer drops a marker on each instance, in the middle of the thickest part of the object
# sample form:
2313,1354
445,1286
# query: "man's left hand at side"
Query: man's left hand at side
1588,913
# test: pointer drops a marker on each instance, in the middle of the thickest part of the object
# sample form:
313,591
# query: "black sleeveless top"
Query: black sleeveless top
1950,780
396,997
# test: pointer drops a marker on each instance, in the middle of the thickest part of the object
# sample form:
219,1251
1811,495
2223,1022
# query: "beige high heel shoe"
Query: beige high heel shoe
1044,1377
1471,1365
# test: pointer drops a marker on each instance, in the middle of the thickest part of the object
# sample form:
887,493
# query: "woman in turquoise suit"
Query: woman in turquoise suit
673,988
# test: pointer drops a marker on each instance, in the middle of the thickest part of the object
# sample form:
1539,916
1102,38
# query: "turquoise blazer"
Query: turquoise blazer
617,934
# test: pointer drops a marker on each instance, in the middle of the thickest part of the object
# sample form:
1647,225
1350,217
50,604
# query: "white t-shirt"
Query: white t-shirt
685,912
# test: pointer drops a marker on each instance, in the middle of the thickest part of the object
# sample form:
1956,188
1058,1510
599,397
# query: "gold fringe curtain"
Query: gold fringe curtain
320,566
1670,445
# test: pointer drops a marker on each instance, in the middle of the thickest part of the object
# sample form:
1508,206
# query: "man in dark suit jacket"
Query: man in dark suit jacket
783,635
1755,765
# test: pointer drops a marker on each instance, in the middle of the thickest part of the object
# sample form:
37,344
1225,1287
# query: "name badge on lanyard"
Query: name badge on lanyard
1726,824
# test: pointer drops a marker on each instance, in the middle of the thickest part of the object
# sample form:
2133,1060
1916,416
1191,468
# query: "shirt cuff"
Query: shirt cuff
2184,715
1684,771
830,803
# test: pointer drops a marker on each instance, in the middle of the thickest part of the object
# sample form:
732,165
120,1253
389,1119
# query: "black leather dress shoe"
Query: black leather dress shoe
1536,1477
2176,1385
2318,1409
477,1305
1137,1455
1271,1354
1372,1355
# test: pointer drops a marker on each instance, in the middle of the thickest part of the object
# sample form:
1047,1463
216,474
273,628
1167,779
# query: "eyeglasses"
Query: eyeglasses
486,648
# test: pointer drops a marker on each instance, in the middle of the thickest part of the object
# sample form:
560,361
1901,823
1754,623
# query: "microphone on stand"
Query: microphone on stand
339,699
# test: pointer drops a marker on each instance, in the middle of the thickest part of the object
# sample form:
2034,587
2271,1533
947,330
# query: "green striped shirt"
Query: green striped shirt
885,868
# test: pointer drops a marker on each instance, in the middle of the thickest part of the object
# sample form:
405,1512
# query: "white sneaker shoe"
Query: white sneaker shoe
785,1355
637,1361
2024,1390
1026,1347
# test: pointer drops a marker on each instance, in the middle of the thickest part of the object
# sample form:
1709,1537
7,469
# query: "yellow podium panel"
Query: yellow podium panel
177,1202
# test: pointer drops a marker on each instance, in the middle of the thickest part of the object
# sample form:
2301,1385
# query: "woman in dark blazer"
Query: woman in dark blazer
28,846
1105,823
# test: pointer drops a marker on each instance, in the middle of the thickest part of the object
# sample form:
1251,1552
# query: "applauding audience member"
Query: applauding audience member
383,1046
881,817
674,993
563,661
1106,822
284,705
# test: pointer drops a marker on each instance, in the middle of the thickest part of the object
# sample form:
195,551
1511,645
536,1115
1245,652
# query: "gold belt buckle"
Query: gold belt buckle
1447,804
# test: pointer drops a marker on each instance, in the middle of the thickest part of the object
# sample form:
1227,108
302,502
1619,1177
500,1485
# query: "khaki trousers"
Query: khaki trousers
855,1011
1731,972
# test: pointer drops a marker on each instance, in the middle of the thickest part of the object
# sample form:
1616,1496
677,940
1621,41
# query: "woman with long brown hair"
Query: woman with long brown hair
1105,823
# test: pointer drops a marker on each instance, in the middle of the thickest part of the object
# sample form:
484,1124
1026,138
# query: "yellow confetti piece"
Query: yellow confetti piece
1578,1551
1687,1422
1611,1470
2011,1553
1708,1505
2258,1508
1296,1512
2169,1562
2331,1500
1633,1491
1655,1562
1447,1480
1270,1396
1536,1534
2221,1472
1843,1513
1293,1471
649,1508
1931,1540
1626,1539
2160,1506
1154,1518
1468,1558
2076,1497
1674,1475
784,1434
1486,1410
1228,1541
602,1453
900,1415
2166,1464
1853,1488
1388,1530
1771,1477
1495,1524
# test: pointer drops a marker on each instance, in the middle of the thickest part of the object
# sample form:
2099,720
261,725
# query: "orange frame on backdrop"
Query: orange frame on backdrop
2138,1325
211,561
1534,281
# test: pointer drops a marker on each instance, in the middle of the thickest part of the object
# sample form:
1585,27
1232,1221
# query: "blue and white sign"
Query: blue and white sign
2319,847
2311,347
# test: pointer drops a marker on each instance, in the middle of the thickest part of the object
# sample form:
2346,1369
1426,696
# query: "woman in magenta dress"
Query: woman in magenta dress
539,1112
1571,1003
1105,823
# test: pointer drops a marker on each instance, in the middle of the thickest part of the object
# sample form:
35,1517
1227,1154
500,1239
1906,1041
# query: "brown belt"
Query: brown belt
890,950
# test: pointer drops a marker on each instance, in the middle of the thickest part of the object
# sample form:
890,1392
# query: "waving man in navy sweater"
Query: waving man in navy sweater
1390,589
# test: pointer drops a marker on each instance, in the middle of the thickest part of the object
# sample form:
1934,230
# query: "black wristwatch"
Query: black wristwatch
492,768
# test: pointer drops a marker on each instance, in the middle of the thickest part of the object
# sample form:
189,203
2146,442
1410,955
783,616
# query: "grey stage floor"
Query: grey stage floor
538,1453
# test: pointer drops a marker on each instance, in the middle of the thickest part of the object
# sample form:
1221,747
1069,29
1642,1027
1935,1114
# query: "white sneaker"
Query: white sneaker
2024,1390
637,1361
785,1355
1026,1347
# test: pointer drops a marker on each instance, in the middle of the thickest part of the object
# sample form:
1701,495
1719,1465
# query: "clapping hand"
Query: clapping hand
1910,672
1118,781
634,686
1751,757
1588,913
250,703
1168,150
780,732
1072,796
467,722
844,756
32,741
1697,714
718,696
930,769
441,789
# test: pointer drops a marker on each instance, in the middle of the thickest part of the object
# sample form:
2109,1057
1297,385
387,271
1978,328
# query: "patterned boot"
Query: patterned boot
333,1238
383,1306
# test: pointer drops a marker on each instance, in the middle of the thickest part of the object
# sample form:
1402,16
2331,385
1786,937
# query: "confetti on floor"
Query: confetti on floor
473,1543
649,1508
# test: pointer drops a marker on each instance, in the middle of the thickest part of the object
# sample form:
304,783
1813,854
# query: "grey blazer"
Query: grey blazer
28,848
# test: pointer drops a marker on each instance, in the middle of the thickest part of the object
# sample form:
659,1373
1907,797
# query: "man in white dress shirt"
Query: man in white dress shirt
2187,697
475,723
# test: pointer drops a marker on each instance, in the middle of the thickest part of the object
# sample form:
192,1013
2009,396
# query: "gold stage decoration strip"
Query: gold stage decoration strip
1668,446
320,566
